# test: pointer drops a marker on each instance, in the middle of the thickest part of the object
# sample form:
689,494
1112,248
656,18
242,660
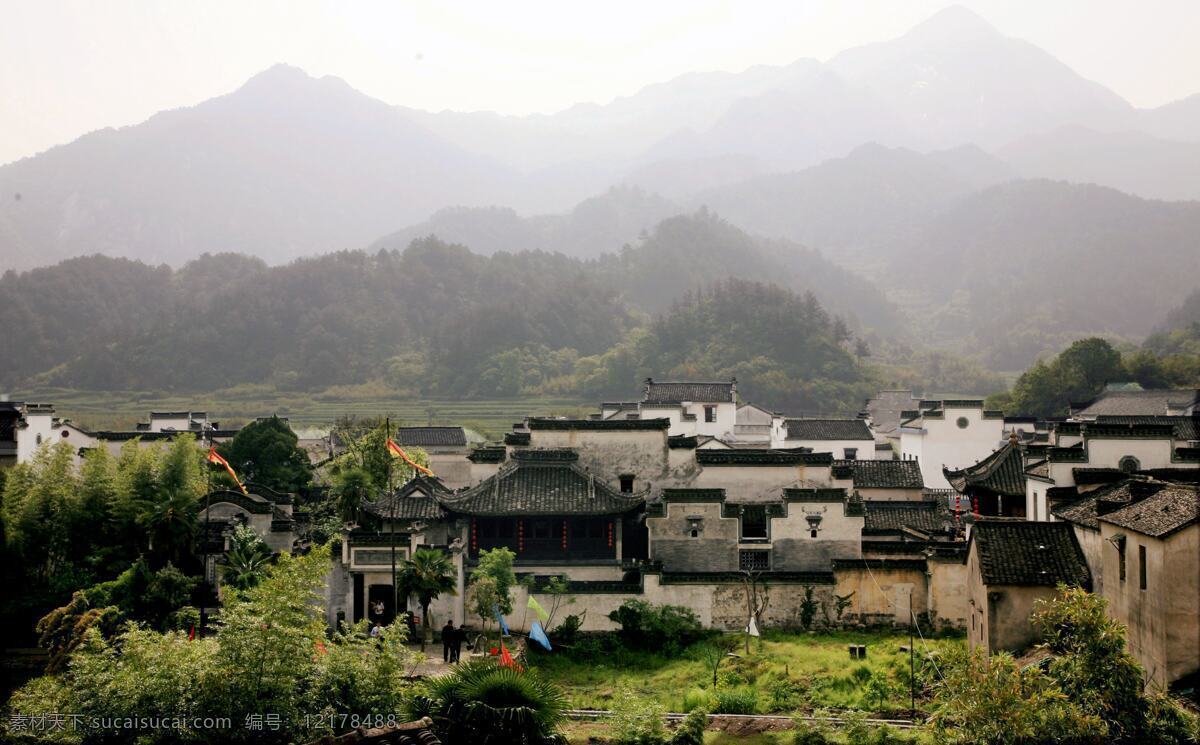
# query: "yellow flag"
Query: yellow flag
537,608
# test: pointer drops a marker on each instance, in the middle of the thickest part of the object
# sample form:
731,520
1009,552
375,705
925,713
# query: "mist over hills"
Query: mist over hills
289,165
900,182
438,319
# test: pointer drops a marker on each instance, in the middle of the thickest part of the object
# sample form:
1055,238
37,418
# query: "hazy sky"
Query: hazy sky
71,67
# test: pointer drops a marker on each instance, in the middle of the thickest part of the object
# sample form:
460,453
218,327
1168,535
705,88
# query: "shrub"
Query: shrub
637,719
784,694
566,634
696,698
482,702
855,726
735,701
691,729
814,732
667,628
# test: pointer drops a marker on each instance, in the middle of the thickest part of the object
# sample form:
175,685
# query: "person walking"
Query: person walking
459,636
448,637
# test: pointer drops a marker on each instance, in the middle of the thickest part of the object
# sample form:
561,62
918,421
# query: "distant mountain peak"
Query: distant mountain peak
953,22
279,73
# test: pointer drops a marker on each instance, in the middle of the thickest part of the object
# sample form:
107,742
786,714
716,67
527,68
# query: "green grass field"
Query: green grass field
786,672
121,409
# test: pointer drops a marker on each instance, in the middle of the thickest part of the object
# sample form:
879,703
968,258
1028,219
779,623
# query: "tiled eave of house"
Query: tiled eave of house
540,482
1002,473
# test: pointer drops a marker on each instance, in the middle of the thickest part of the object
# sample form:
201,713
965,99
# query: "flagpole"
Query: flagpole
392,517
204,540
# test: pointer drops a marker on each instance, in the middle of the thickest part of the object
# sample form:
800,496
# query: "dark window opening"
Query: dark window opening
540,530
1129,464
851,453
1121,561
710,413
695,533
1142,567
627,484
754,560
754,522
812,533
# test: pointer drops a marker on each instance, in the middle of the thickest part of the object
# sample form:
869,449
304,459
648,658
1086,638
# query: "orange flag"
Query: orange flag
398,452
215,458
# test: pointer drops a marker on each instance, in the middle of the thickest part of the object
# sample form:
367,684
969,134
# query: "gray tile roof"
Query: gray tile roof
1185,427
885,407
678,392
1139,403
415,500
883,474
1036,554
889,516
554,423
1170,509
762,457
1002,472
541,482
431,436
828,429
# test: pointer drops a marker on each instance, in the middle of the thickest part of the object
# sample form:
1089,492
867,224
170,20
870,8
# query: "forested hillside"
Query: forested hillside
1022,269
437,319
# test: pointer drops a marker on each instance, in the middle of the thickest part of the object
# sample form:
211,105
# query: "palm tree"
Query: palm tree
481,702
351,487
427,575
171,525
247,561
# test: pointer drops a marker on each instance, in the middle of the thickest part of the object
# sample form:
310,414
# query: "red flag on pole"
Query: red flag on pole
506,659
192,634
398,452
216,459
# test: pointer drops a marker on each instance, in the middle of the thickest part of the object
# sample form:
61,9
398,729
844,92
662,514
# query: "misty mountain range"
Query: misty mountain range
914,162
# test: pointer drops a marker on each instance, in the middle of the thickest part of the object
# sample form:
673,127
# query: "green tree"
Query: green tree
1078,374
245,564
492,581
992,701
267,452
351,487
497,565
428,574
1093,668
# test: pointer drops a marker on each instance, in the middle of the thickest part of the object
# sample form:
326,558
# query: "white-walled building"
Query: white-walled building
847,439
24,427
949,434
707,409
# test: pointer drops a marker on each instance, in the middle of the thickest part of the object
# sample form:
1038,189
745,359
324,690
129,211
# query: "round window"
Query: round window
962,422
1129,464
66,433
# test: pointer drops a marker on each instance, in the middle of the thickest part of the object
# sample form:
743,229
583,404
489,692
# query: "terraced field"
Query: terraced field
121,409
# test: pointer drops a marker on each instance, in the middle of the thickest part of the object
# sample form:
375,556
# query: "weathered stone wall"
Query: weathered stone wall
891,495
882,595
611,453
948,597
1164,619
713,550
759,483
793,547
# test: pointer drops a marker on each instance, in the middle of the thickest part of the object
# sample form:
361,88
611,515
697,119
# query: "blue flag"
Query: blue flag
538,634
500,619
